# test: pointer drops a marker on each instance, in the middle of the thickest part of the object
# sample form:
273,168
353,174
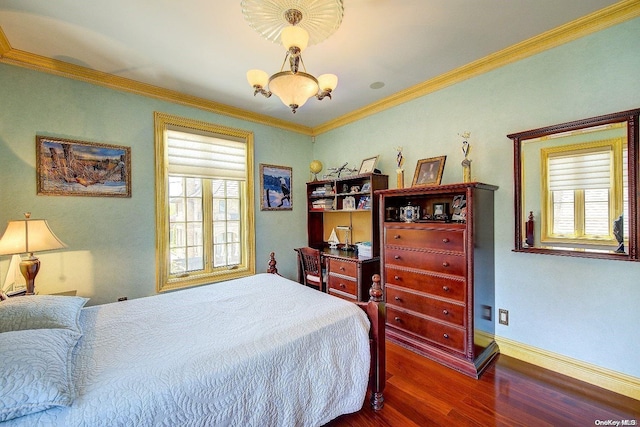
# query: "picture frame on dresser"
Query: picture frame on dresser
429,171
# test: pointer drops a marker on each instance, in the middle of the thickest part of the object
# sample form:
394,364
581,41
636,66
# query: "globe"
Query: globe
315,167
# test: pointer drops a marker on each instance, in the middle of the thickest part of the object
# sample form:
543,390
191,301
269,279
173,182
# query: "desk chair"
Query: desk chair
311,268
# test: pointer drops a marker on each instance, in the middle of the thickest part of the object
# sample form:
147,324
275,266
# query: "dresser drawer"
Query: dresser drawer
431,261
342,284
442,310
349,298
345,268
437,285
431,330
449,240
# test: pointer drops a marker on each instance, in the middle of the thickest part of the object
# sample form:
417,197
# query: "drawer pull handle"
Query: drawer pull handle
342,285
397,236
396,277
445,240
445,264
445,312
446,336
445,288
398,299
397,319
341,268
396,257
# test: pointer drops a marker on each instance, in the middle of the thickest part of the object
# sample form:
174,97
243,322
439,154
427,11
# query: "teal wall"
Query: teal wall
584,309
111,241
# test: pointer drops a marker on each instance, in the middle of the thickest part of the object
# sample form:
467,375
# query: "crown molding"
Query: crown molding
597,21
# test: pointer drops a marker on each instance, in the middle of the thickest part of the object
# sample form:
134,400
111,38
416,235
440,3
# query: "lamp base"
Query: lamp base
29,268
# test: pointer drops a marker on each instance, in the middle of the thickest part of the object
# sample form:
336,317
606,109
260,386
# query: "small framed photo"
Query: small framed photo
459,208
366,187
66,167
441,211
368,165
429,171
275,184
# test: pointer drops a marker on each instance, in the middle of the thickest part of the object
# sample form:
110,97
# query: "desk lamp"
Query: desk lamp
27,236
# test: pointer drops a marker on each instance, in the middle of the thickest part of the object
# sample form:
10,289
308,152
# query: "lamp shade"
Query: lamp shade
327,81
293,89
293,36
28,235
257,78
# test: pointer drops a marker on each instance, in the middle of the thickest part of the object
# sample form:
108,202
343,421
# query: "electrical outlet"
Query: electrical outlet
503,317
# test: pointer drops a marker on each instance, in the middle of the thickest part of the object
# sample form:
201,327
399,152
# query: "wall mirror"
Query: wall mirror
576,188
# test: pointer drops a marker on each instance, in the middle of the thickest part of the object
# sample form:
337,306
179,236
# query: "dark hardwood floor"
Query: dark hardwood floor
420,392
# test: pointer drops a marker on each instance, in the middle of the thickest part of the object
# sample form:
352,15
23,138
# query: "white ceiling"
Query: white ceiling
204,48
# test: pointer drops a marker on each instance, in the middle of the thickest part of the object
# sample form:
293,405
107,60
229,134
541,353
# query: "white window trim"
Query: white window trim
164,282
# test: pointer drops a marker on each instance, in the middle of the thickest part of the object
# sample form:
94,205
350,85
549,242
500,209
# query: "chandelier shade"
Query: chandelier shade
293,89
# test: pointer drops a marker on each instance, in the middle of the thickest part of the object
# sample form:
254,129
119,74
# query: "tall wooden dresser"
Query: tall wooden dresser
437,253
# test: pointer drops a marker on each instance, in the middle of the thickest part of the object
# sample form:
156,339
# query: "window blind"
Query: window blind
206,156
580,171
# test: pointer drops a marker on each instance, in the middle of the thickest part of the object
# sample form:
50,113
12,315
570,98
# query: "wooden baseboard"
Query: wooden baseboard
617,382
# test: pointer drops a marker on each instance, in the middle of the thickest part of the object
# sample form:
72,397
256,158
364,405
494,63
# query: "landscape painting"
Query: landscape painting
78,168
275,184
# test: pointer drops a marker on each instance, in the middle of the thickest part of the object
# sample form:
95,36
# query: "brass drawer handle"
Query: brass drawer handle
397,236
397,299
446,336
445,288
396,277
445,312
445,264
396,257
397,319
342,285
445,240
341,268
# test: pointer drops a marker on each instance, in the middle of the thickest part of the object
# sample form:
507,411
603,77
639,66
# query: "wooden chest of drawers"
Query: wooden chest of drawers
349,277
438,276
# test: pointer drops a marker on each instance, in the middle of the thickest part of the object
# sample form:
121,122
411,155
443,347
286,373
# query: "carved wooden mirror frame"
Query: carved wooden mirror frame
630,118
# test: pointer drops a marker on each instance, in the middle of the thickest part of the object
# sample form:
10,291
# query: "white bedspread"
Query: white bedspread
258,351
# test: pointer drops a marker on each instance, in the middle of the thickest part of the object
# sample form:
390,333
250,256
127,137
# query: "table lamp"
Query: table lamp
27,236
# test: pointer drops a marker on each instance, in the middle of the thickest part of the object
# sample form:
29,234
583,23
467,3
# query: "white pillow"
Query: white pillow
41,312
35,373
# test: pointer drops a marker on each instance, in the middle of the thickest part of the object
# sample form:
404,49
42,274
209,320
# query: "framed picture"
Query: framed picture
441,211
66,167
459,208
368,165
429,171
275,186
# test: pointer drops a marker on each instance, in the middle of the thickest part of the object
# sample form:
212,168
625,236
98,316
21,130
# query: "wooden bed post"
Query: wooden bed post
376,312
272,264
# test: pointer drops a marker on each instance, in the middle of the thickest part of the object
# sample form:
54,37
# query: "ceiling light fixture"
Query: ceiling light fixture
283,20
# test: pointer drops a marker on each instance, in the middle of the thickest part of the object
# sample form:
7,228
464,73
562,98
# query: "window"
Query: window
204,203
583,192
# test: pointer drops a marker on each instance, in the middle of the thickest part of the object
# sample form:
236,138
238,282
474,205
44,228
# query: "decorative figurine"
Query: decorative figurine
340,169
399,170
466,163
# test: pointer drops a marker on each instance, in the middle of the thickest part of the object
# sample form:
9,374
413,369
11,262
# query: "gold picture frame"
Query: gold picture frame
66,167
429,171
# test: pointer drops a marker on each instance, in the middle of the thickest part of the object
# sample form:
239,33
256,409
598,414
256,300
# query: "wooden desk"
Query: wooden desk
349,276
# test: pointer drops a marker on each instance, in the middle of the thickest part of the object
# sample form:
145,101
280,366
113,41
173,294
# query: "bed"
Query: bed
257,351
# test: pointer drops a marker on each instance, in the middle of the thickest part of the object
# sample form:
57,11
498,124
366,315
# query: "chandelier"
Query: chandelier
295,24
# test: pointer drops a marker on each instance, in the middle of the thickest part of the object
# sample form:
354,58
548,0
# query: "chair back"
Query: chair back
311,263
